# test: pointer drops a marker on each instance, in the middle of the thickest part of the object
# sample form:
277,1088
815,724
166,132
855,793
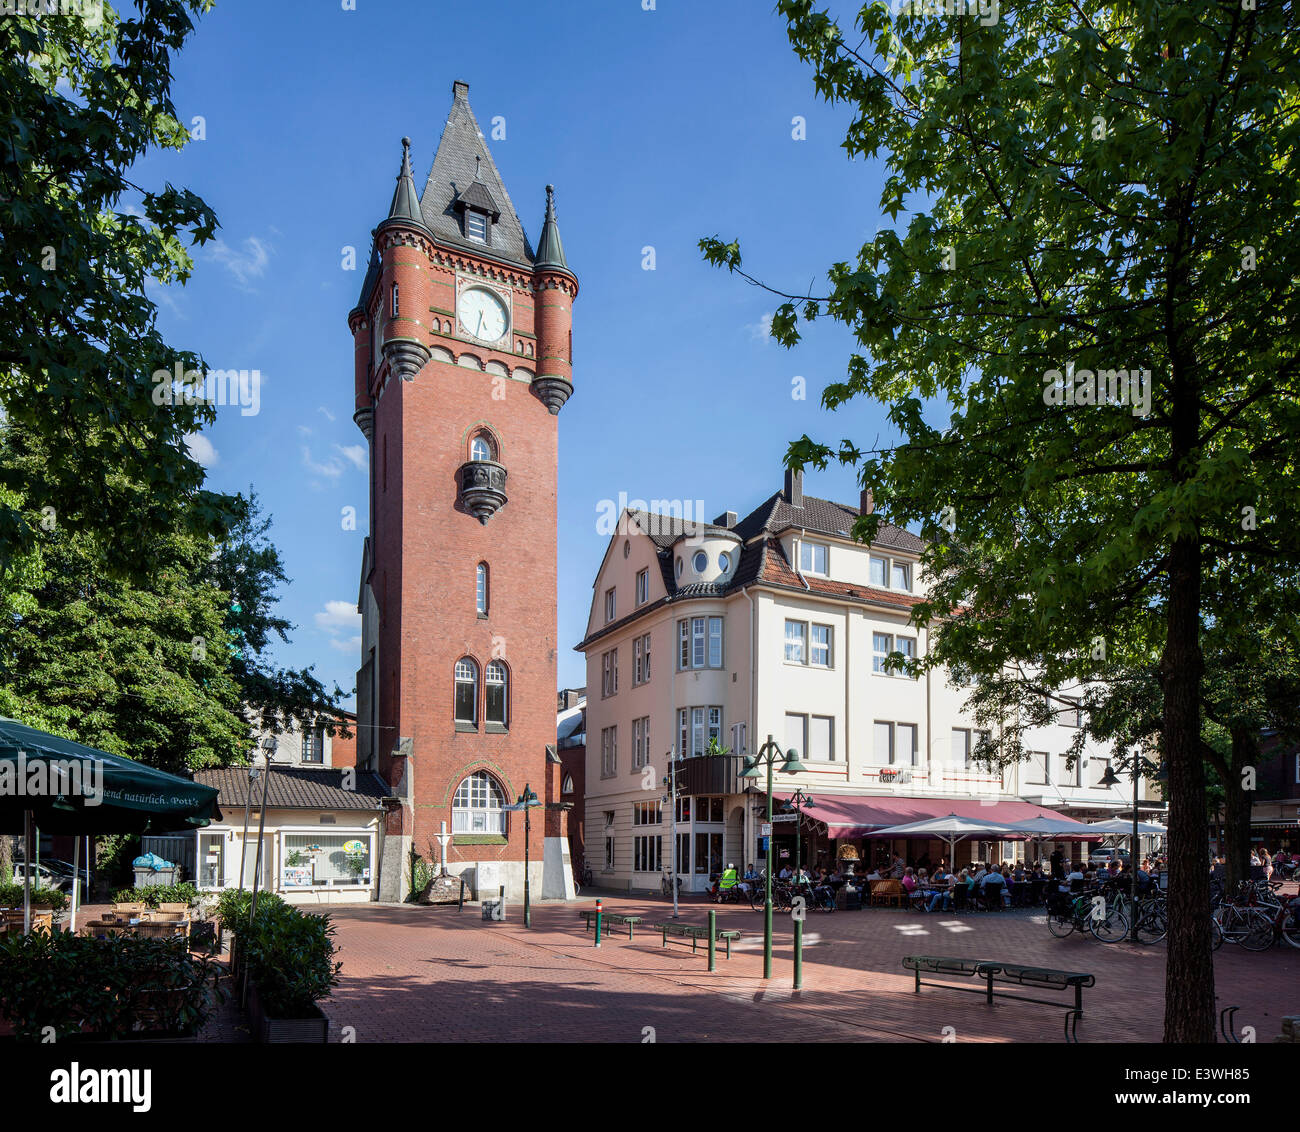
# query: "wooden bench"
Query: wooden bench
610,920
994,971
695,933
888,891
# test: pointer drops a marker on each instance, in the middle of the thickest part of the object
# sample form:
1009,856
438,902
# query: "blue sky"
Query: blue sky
656,127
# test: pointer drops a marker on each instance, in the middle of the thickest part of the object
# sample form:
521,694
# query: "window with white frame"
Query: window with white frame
796,642
640,742
481,589
609,854
480,448
466,707
796,732
1071,715
609,673
646,813
1066,775
906,751
878,571
478,806
643,586
476,226
342,858
901,576
812,557
821,738
394,300
647,850
495,694
641,660
313,744
1037,772
960,747
883,733
611,604
699,642
608,751
820,654
882,644
697,725
1097,769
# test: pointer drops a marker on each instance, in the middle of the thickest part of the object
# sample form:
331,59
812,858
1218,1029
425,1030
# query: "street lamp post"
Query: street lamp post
1111,779
767,755
527,800
797,801
670,799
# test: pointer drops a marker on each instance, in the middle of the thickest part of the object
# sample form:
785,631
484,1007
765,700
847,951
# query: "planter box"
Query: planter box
313,1030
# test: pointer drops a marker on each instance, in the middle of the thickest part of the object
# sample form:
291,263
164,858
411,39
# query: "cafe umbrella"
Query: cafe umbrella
65,787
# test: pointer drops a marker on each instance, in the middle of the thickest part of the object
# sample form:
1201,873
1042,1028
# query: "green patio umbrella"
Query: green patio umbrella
65,787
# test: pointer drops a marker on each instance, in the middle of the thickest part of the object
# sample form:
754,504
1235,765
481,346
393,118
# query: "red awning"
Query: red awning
855,815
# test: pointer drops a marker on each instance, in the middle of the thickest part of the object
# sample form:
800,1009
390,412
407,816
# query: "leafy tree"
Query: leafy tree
167,671
84,99
1087,187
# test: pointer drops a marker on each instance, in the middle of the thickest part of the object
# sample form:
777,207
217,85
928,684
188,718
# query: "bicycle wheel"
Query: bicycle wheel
1259,931
1060,926
1231,922
1154,925
1290,926
1216,935
1111,927
757,899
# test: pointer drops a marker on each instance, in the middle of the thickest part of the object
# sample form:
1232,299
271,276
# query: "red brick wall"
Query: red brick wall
426,549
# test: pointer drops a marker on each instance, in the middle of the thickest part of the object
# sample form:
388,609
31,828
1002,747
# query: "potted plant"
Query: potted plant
291,968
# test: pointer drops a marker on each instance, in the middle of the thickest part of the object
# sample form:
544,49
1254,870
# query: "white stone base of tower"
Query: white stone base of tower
557,870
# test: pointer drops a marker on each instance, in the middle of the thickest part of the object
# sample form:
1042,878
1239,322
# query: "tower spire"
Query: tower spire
550,251
406,205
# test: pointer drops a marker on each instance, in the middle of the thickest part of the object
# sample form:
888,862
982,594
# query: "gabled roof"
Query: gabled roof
762,559
462,159
475,195
297,788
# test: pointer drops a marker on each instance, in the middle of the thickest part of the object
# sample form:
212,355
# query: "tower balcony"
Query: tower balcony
482,488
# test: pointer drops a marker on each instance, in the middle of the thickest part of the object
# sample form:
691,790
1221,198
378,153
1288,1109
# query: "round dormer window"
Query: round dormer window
701,562
724,561
627,547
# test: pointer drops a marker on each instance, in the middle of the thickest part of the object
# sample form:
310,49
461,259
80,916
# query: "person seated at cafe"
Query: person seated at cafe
898,868
943,897
980,873
940,875
1072,878
874,875
909,880
993,885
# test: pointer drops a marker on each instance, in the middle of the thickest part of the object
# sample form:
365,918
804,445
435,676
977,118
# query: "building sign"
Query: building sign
295,876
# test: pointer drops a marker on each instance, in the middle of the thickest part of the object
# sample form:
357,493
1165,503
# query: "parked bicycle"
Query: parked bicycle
581,879
1088,913
666,885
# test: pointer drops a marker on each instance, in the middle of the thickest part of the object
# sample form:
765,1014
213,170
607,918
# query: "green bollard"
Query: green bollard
798,954
713,940
598,913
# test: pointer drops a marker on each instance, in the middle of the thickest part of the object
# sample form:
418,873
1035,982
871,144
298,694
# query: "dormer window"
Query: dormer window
476,226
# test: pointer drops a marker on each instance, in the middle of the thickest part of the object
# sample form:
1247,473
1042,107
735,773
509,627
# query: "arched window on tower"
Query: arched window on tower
481,589
478,806
466,708
481,447
496,694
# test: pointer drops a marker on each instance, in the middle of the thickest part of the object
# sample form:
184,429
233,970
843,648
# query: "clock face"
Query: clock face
482,314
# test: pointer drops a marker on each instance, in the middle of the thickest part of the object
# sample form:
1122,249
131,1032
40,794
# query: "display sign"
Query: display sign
295,876
765,830
785,817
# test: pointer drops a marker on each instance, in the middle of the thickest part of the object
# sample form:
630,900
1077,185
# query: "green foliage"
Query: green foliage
84,244
233,905
155,894
114,853
111,987
290,957
11,896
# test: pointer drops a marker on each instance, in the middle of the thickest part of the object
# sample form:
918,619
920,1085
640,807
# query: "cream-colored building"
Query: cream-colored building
780,624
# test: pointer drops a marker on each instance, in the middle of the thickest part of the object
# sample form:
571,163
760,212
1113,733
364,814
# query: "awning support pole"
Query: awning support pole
27,872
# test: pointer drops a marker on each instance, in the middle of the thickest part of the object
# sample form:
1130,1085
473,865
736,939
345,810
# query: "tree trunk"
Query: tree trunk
6,858
1189,968
1236,810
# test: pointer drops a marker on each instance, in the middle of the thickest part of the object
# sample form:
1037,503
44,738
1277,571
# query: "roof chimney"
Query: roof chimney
794,487
727,519
868,501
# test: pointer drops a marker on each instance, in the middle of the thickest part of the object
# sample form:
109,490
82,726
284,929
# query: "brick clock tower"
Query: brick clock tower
462,347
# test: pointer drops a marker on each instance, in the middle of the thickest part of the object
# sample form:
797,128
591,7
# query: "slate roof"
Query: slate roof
297,788
763,560
454,170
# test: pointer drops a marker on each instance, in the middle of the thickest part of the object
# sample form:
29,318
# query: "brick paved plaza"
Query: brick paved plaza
415,974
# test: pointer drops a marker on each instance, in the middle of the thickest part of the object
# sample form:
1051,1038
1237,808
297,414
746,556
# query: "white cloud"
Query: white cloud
761,330
356,454
202,450
331,469
341,622
245,264
328,415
